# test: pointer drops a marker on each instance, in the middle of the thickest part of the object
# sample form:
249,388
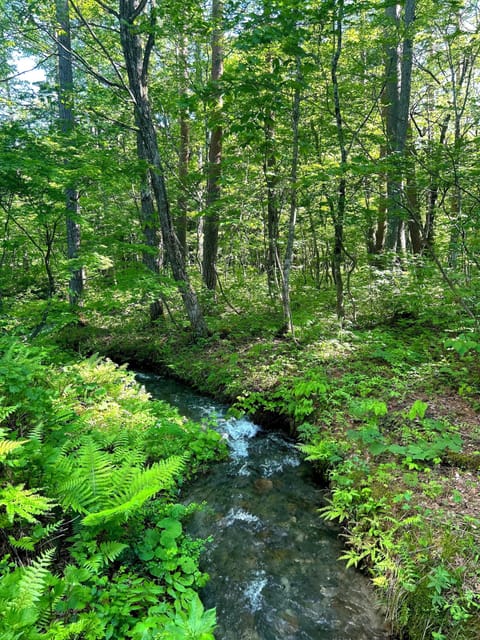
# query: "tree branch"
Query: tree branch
101,45
21,73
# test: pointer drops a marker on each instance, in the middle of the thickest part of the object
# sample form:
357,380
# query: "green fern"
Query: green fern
129,497
33,582
36,433
89,477
101,555
111,550
6,411
7,446
107,485
27,543
22,502
408,569
88,626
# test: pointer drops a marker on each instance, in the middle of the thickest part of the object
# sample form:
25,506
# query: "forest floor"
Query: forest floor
389,414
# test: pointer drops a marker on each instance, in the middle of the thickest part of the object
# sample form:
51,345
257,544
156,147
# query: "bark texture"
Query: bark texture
137,50
181,222
288,259
67,124
212,220
397,91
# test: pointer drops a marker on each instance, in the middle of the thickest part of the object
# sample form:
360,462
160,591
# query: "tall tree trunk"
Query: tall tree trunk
339,214
391,123
67,124
430,218
412,203
212,220
137,57
381,222
184,147
151,258
398,107
461,77
288,259
271,181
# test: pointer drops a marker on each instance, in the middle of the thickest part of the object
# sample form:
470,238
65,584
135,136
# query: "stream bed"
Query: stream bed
273,563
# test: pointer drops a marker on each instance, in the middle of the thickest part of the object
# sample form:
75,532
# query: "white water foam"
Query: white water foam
275,466
240,515
253,591
237,433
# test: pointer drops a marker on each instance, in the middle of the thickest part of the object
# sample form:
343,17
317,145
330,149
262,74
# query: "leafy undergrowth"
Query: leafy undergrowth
389,414
390,419
93,544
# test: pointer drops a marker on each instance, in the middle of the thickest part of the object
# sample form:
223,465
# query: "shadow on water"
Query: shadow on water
273,563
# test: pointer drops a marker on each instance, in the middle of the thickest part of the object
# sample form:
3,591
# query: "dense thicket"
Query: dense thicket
337,148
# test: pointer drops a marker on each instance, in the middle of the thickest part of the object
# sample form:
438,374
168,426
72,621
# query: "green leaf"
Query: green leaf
418,410
173,528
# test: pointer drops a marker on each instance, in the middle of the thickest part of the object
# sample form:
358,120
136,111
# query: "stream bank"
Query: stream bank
382,417
272,561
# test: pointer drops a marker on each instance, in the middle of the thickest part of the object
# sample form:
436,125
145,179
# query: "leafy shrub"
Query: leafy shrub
84,431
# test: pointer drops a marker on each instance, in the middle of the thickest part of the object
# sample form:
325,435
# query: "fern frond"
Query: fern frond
37,432
50,529
144,485
93,564
111,550
88,474
7,446
6,411
26,543
97,467
113,440
128,457
76,494
123,510
87,626
24,503
159,476
33,581
162,473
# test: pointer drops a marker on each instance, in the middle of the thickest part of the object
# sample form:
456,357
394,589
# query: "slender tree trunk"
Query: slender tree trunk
137,56
381,225
152,258
184,148
461,78
413,206
414,219
430,218
212,220
398,99
381,222
288,259
391,122
271,181
339,214
67,124
47,261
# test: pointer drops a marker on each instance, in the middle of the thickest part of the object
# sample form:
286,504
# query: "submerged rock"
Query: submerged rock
263,485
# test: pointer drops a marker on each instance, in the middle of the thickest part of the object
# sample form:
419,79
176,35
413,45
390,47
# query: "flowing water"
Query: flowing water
273,563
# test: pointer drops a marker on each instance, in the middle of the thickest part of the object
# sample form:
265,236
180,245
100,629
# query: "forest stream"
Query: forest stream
273,562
